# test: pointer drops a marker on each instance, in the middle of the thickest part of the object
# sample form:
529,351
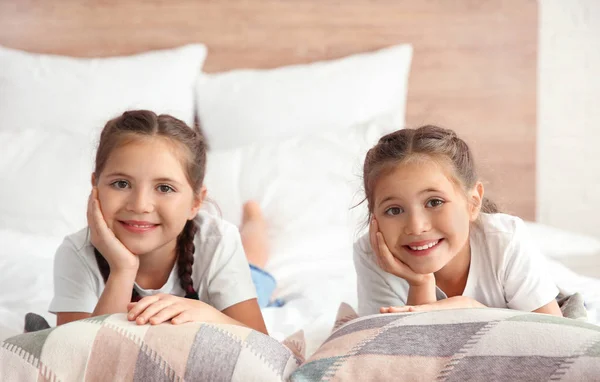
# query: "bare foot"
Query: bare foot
254,234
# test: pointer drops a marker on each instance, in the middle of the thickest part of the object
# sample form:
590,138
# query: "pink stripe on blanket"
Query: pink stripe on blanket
111,352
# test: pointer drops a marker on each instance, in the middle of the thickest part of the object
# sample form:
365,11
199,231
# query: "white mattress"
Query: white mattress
313,290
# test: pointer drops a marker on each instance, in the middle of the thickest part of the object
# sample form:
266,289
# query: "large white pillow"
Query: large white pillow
57,93
243,107
52,109
306,187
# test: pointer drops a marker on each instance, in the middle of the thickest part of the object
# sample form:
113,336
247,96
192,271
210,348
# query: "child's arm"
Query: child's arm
114,299
550,308
373,289
419,294
164,307
75,285
123,265
421,287
66,317
247,313
74,292
456,302
459,302
117,293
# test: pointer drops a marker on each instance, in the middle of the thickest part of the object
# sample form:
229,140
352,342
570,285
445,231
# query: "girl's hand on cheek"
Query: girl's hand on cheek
165,307
391,264
105,241
456,302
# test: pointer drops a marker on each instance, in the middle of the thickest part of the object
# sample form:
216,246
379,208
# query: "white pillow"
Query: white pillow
577,251
558,243
243,107
47,178
52,109
26,284
56,93
306,187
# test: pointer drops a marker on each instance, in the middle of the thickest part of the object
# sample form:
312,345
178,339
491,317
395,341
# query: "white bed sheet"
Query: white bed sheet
26,278
313,289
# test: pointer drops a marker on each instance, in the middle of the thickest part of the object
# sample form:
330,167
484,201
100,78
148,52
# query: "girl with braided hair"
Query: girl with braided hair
435,241
149,251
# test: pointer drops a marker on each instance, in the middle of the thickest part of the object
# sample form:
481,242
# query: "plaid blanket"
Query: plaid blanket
451,345
111,348
456,345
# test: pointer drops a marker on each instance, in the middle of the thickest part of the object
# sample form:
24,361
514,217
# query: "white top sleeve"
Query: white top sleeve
230,281
74,286
373,283
527,284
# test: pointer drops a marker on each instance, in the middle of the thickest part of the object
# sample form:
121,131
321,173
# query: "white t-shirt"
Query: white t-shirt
220,273
506,271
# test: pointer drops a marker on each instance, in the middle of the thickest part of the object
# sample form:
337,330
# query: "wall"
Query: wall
568,152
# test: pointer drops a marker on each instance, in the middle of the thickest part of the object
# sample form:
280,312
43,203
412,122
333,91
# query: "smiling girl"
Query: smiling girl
435,241
148,251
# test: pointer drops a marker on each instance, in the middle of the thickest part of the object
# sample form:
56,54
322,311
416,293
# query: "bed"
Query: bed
467,65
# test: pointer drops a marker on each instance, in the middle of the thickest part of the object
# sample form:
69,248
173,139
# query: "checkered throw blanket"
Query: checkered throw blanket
456,345
111,348
452,345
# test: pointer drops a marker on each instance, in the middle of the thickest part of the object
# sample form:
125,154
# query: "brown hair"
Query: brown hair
138,124
426,141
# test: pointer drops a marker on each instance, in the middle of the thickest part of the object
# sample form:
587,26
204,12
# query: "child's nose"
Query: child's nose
417,224
140,202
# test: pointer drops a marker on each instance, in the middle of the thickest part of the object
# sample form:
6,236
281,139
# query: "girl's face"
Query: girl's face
145,196
423,216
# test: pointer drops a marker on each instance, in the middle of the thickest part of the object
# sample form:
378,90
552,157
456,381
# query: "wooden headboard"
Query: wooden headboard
474,66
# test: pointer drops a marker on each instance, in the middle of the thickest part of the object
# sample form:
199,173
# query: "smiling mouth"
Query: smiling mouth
137,226
423,249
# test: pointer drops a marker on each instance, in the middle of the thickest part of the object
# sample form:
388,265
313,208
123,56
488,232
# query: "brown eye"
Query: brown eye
393,211
434,203
165,188
120,184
